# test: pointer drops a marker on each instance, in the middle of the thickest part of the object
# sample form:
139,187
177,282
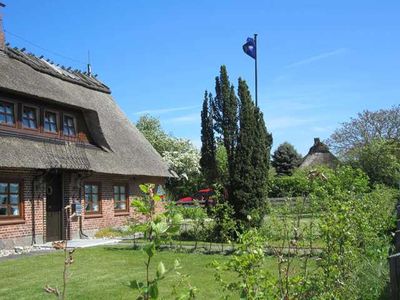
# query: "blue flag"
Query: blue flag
250,48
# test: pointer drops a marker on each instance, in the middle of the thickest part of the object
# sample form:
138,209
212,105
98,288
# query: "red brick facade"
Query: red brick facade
29,230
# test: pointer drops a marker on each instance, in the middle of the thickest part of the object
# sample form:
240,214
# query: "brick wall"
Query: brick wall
108,216
22,233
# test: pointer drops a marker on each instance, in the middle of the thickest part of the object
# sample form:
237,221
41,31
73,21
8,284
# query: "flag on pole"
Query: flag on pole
250,48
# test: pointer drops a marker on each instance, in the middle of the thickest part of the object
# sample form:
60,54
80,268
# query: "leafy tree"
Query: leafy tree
180,154
380,160
208,148
285,159
150,127
367,126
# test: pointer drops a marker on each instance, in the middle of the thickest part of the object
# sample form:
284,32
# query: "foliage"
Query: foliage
110,232
289,186
354,228
367,126
380,160
224,224
225,114
197,217
250,174
208,148
180,154
254,281
285,159
222,165
155,229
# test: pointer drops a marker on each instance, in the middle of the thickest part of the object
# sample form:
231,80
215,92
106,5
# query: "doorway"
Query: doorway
54,207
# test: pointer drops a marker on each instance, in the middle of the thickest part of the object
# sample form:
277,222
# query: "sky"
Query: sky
319,62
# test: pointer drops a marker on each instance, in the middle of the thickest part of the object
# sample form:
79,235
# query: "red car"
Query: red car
203,197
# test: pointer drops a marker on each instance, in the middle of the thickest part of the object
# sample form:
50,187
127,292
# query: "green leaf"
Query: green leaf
144,188
156,198
150,249
153,290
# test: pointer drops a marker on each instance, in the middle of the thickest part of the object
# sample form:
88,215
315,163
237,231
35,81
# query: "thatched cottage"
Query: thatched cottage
319,155
64,140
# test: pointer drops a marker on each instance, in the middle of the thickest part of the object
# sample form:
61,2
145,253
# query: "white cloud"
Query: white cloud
166,110
317,58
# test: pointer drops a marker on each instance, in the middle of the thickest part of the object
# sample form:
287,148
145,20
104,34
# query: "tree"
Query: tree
243,175
208,162
225,114
250,174
369,125
150,127
380,160
180,154
285,159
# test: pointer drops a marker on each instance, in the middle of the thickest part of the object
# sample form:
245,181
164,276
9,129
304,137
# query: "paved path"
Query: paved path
46,248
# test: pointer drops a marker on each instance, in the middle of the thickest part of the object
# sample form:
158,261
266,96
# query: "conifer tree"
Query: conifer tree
208,162
252,161
242,183
285,159
260,160
225,114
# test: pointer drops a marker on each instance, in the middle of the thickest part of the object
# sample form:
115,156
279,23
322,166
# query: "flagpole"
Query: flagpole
255,68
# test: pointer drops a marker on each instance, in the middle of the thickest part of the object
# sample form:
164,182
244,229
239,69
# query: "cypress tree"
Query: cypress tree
243,177
225,110
208,162
260,161
252,161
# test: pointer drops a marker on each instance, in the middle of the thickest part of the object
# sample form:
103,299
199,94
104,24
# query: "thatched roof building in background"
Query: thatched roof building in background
318,155
119,148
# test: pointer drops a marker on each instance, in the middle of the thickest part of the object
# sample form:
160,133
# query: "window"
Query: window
69,126
7,115
50,122
120,198
29,118
92,203
10,202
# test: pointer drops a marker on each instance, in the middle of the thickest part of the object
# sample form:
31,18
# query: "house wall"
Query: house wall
21,233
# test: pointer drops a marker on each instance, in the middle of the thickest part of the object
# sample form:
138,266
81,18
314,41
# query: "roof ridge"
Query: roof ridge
48,67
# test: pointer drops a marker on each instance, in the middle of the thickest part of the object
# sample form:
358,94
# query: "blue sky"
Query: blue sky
320,62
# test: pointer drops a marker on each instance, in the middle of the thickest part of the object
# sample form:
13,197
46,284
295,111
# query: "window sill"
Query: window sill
12,221
121,213
92,216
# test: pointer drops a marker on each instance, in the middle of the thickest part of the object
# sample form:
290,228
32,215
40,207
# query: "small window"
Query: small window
29,118
120,198
92,202
10,202
50,122
7,116
69,126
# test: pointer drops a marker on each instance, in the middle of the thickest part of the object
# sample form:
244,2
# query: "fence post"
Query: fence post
394,263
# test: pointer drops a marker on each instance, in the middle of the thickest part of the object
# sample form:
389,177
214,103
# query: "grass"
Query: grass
105,273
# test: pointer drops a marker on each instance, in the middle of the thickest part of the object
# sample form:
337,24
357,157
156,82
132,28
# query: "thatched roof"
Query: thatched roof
120,147
319,154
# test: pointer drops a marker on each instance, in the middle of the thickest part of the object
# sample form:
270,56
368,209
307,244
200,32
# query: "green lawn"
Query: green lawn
104,273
